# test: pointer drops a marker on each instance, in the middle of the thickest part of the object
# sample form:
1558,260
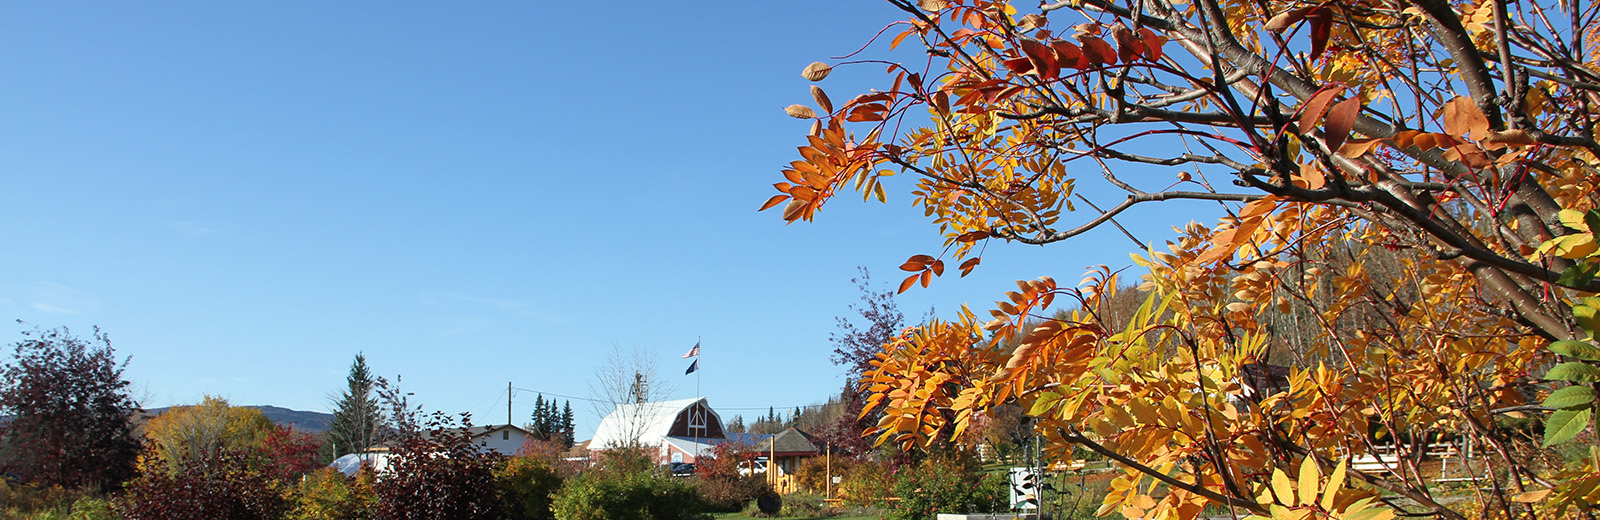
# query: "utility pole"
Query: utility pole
508,403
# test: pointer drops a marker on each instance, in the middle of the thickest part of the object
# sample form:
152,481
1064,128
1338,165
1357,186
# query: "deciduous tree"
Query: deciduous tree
1406,192
195,437
67,413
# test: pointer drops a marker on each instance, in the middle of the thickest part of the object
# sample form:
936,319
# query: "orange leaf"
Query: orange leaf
773,202
822,99
972,236
796,209
967,266
921,259
1358,147
927,276
907,283
912,266
1514,138
1314,108
1287,18
1404,138
938,267
1462,116
1341,118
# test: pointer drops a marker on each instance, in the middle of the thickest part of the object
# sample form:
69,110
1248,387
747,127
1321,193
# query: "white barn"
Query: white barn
673,431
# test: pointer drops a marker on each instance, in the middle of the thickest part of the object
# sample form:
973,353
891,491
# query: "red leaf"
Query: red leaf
1042,58
1152,43
1128,48
972,236
1069,55
1341,118
1020,65
1097,51
1321,27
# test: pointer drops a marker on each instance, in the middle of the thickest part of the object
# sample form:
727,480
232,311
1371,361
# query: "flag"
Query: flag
693,351
692,367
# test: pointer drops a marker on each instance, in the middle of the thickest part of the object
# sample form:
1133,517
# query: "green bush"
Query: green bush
867,483
640,495
527,485
327,494
944,486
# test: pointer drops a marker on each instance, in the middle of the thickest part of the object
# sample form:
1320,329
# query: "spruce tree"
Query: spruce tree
566,425
357,420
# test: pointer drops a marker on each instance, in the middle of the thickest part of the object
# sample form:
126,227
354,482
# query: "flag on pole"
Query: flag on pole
692,367
693,351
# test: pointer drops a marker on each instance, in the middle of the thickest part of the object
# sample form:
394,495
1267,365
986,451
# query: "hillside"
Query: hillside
309,422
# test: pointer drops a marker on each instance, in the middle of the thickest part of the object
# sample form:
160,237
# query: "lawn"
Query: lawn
742,516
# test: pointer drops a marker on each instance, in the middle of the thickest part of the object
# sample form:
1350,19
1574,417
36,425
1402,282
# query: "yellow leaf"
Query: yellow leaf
1310,475
1335,483
1573,219
1531,496
1282,488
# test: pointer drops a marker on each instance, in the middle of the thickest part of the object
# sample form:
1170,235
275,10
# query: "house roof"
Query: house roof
649,422
790,442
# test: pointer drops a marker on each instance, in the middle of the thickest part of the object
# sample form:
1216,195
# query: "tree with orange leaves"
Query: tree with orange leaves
1407,245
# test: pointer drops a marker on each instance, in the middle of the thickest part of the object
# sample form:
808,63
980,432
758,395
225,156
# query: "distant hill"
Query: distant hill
309,422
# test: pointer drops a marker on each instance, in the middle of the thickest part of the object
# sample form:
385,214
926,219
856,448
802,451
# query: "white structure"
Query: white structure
675,431
506,439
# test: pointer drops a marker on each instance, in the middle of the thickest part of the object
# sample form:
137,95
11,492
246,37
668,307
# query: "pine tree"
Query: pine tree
357,420
566,425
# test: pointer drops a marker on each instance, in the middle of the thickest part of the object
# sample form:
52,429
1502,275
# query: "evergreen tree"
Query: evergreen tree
566,425
357,420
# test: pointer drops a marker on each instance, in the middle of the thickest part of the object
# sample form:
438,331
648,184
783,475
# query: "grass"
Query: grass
743,516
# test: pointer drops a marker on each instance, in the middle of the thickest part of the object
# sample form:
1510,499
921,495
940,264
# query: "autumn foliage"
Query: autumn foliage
1405,238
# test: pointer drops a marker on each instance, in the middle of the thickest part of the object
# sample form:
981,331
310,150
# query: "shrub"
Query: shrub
526,485
438,473
35,501
947,486
212,485
327,494
639,495
867,483
719,482
813,472
728,494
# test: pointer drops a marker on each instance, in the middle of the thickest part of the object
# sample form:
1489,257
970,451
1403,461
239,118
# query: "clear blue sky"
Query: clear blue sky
244,195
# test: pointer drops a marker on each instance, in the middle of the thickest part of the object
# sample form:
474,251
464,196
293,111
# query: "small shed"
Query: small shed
785,451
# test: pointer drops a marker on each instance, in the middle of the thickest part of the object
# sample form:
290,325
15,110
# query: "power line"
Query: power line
593,400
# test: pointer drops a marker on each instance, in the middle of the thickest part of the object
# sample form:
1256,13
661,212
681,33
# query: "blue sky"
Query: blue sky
244,195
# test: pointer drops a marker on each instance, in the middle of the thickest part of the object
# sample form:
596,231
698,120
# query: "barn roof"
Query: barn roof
649,422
